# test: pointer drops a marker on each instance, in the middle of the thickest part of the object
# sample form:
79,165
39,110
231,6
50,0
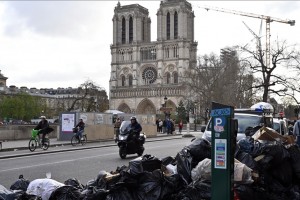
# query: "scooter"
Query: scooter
128,142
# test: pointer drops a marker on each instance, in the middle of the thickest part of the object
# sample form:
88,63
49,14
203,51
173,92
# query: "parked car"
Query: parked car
245,120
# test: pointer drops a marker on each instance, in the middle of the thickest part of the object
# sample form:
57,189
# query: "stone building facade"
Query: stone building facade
143,72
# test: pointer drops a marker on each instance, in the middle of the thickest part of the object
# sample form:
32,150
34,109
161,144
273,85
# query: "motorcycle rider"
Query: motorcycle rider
136,128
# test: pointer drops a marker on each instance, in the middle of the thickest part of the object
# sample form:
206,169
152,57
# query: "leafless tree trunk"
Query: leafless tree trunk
278,78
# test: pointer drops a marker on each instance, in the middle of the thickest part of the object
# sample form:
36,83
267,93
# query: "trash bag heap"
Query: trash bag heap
263,171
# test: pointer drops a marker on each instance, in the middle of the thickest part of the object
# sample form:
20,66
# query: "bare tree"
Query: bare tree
278,78
220,79
90,97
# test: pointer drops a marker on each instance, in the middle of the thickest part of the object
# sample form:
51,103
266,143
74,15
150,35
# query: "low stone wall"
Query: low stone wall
94,132
104,131
21,132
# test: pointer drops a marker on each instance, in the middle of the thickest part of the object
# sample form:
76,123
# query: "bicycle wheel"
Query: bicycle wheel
83,140
32,144
74,140
46,144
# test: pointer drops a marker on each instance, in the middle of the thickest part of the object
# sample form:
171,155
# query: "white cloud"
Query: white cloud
62,43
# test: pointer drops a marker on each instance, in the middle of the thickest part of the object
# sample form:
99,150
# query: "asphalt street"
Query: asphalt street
83,163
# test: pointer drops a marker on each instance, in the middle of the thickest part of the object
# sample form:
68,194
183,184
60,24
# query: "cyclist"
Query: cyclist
81,126
43,127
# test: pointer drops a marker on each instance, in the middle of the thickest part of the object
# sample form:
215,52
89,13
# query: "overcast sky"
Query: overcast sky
51,44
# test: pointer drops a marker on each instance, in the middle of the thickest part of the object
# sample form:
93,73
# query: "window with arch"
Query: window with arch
168,26
123,30
175,25
122,56
130,30
175,77
168,78
123,80
130,78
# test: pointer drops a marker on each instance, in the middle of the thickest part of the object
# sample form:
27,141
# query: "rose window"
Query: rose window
150,75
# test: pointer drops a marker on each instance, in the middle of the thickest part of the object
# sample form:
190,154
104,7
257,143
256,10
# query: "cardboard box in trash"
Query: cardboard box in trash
290,139
266,133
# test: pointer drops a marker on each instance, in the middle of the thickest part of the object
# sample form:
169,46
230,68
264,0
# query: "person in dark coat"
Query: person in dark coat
80,126
43,127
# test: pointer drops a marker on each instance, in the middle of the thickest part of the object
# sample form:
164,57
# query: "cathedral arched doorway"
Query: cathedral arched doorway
146,107
124,108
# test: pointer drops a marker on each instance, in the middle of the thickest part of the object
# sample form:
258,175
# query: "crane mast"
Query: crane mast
267,19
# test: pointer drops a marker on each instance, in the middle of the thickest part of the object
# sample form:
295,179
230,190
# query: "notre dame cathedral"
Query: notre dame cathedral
146,75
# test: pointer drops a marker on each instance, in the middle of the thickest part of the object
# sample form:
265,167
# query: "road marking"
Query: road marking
53,163
72,160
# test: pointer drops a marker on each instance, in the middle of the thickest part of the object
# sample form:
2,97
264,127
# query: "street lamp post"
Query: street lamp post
195,114
165,105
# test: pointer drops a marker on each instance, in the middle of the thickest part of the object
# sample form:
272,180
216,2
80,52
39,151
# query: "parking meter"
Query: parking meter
224,131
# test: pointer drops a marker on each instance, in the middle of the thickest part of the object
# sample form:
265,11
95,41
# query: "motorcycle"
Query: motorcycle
128,142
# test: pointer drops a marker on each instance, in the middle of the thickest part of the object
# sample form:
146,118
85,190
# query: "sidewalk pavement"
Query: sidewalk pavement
21,144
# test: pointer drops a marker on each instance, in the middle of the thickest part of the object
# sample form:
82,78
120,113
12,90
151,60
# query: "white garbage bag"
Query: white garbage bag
202,171
43,187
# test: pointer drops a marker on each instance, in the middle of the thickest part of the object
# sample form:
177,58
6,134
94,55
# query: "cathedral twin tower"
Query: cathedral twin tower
143,73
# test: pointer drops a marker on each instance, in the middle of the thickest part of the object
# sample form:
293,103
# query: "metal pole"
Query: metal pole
195,120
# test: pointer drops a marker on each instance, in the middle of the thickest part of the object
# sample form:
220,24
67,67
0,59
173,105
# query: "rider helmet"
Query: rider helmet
133,118
42,117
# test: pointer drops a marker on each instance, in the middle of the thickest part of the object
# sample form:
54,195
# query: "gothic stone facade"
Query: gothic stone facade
143,73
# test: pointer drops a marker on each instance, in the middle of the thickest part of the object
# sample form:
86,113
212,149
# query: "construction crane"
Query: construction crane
258,42
267,19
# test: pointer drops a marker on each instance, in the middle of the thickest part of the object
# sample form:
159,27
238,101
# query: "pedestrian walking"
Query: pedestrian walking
160,123
180,126
296,132
157,125
117,128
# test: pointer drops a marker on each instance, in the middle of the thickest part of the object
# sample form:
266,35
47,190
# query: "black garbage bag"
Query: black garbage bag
93,193
146,163
278,152
283,173
6,194
245,145
74,182
272,155
120,192
295,160
120,169
171,185
20,184
184,165
245,158
91,183
195,191
272,186
168,160
155,185
25,196
199,150
66,192
128,179
150,185
249,145
250,192
106,180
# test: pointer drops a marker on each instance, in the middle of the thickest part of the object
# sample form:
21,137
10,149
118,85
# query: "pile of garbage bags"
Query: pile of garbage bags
262,172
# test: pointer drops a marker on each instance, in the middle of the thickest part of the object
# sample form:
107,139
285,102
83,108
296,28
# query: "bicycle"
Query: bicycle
75,140
35,141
